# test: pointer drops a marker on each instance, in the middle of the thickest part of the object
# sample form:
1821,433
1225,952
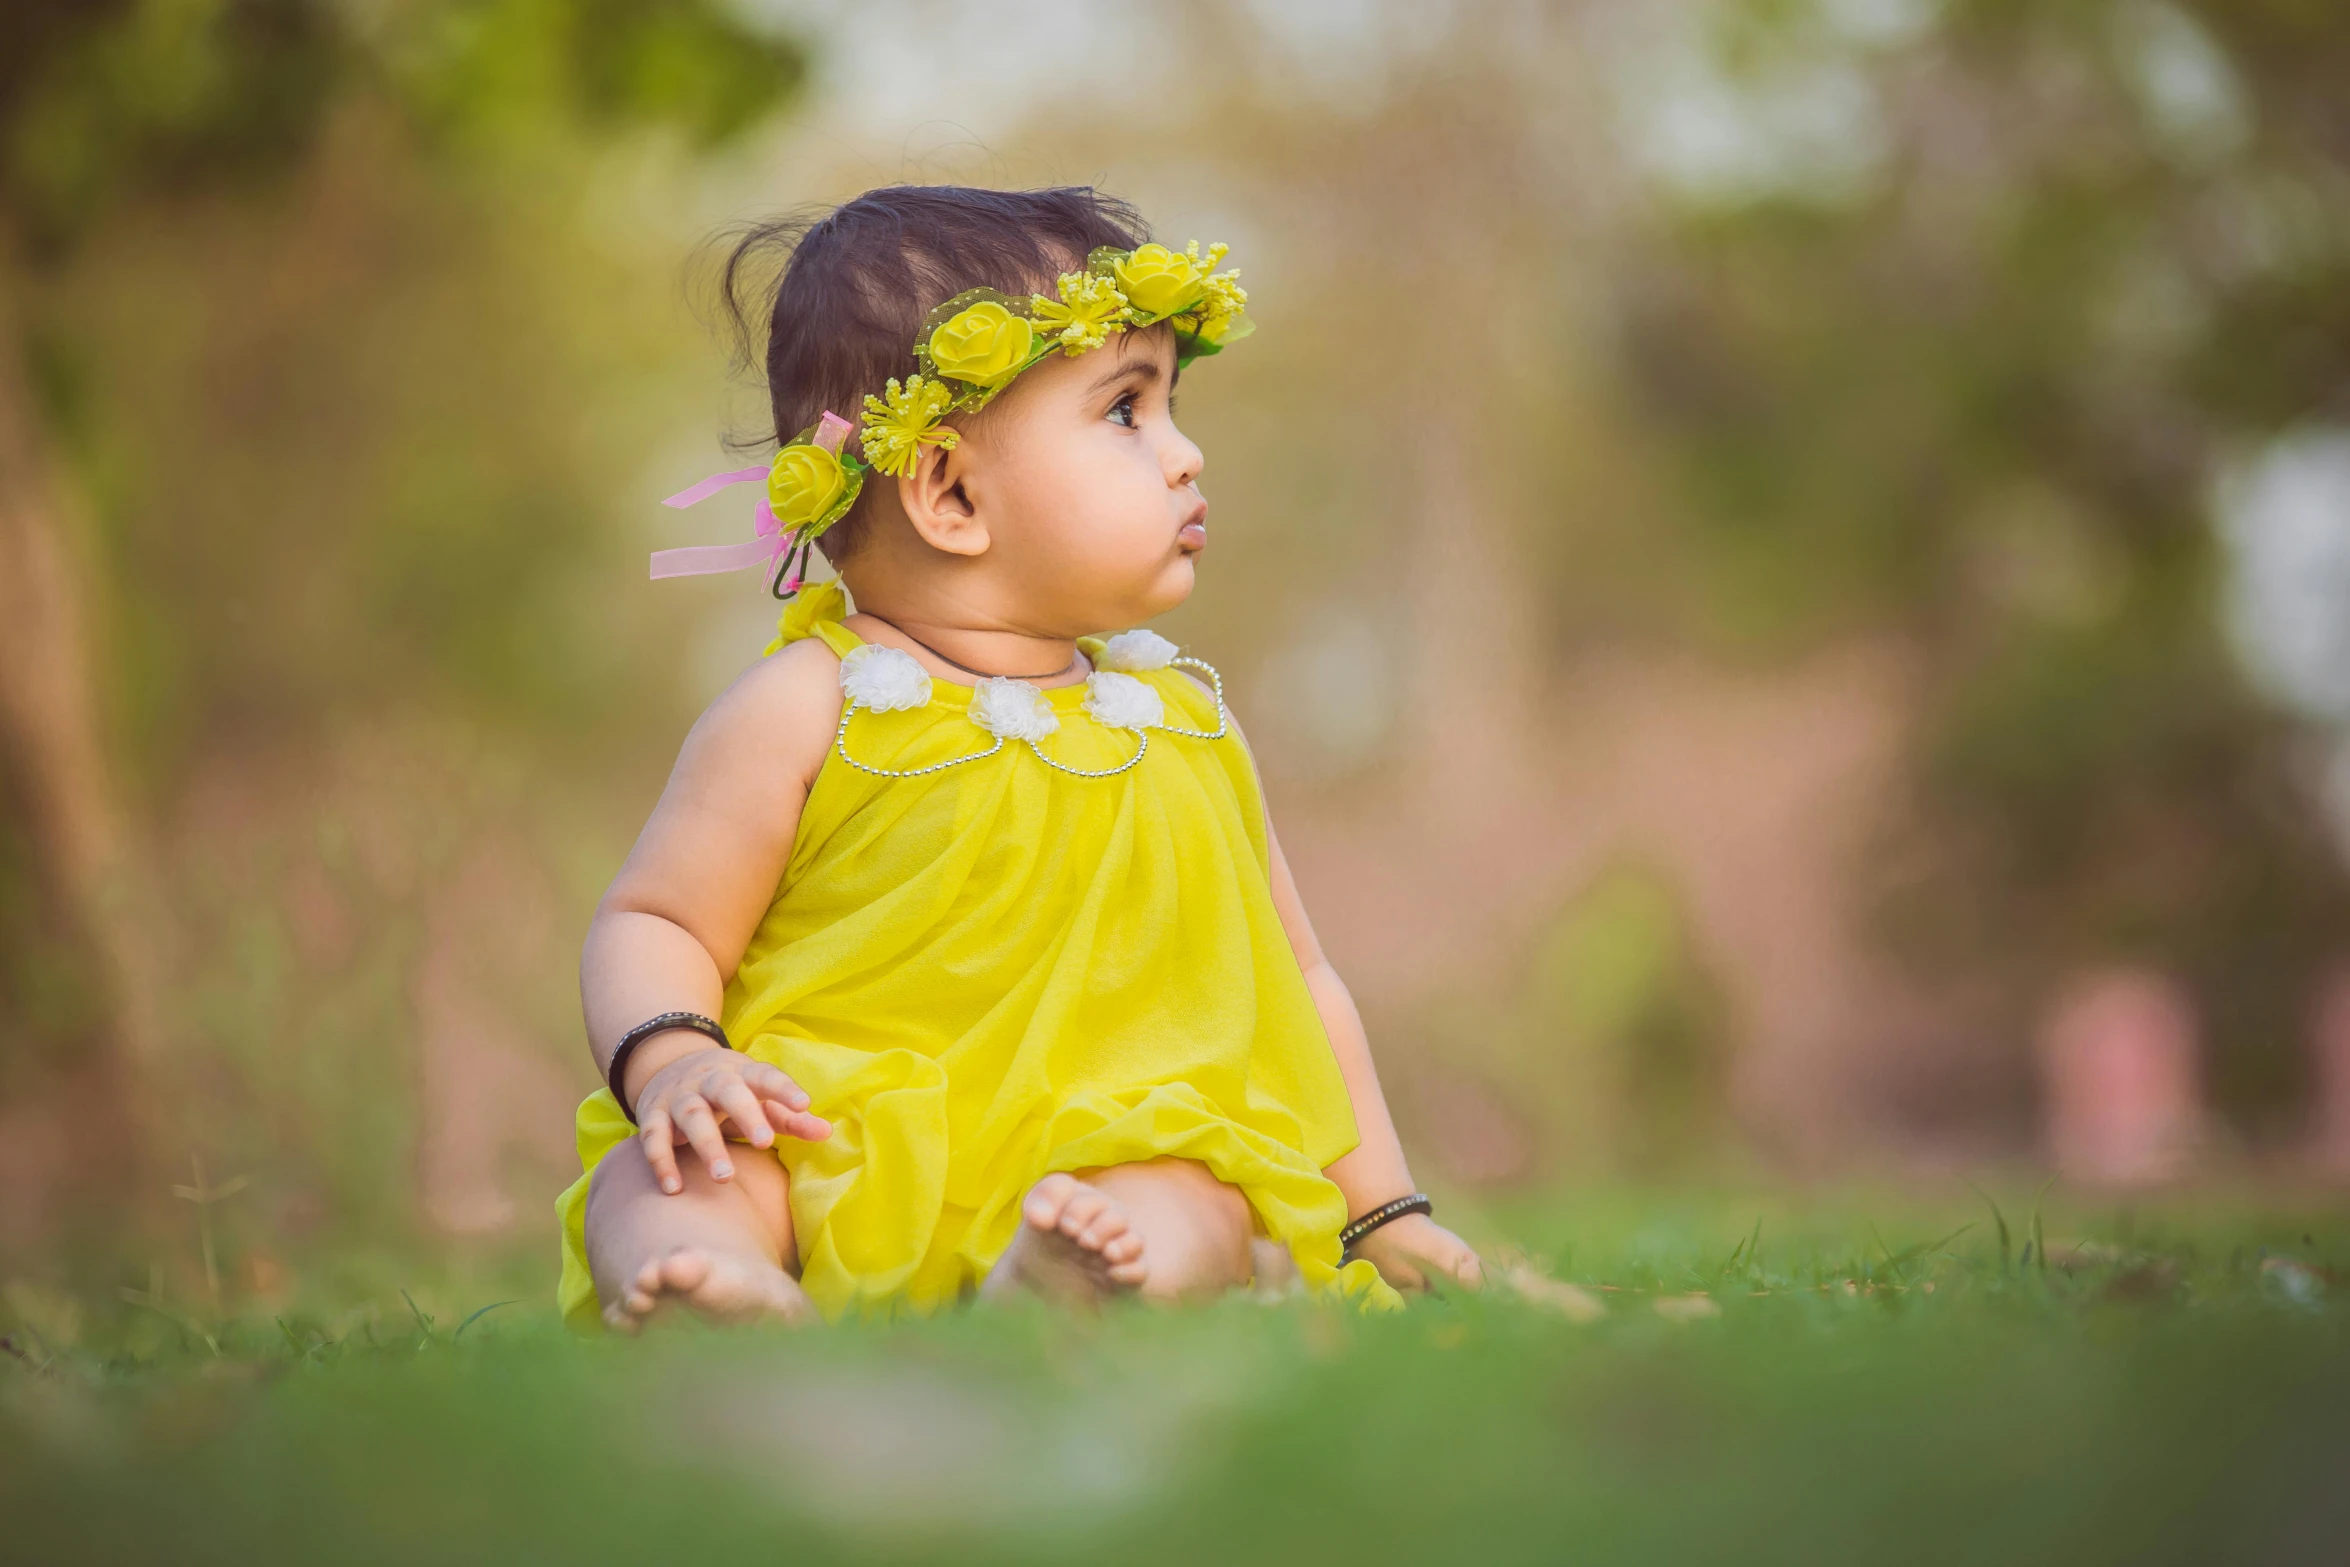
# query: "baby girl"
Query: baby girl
959,957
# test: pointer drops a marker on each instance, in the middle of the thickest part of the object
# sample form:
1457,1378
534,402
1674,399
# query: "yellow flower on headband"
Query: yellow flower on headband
1089,310
805,482
903,420
1219,317
1222,298
982,345
1161,282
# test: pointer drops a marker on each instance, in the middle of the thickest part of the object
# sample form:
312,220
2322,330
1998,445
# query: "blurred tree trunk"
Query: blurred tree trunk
49,711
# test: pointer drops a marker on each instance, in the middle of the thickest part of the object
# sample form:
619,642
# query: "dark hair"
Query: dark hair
856,282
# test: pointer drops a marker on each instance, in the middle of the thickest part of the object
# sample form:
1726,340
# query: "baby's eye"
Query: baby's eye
1122,411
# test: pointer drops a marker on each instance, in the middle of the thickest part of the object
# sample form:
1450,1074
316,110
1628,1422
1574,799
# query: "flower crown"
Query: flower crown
969,350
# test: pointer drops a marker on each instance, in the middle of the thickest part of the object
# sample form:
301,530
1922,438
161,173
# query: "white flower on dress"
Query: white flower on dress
1123,702
1130,652
1012,709
883,679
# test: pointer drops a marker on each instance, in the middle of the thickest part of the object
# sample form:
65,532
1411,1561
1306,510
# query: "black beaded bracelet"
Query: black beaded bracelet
615,1074
1385,1213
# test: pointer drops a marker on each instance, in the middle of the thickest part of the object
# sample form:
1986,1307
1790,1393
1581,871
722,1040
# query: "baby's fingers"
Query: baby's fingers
1439,1266
770,1083
744,1108
694,1118
659,1135
798,1123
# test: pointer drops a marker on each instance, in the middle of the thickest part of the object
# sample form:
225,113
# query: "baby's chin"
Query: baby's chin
1137,602
1131,603
1172,587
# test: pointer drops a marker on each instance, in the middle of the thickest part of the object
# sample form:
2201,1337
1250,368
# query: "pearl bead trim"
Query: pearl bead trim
1143,743
1223,720
840,743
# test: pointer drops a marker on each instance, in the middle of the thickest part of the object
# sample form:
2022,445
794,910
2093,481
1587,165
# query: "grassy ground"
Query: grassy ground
2162,1386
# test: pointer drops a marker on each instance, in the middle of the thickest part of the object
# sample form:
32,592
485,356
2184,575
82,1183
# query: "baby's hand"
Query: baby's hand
686,1100
1415,1252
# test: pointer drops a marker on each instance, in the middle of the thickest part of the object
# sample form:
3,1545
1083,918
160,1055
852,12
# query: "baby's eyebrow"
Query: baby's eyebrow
1145,368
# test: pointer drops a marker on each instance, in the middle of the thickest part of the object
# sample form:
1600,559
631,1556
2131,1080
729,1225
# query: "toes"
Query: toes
1081,1211
1106,1226
1131,1274
685,1270
1122,1248
1048,1198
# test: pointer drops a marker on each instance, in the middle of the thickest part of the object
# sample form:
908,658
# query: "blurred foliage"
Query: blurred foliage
1982,393
357,324
384,498
1605,1052
345,330
112,99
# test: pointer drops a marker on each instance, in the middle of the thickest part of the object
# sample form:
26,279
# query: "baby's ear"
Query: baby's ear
936,498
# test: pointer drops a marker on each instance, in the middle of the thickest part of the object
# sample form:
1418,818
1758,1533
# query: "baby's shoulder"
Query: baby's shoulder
781,711
797,684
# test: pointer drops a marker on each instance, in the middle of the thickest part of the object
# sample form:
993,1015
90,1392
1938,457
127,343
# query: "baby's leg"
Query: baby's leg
722,1248
1166,1229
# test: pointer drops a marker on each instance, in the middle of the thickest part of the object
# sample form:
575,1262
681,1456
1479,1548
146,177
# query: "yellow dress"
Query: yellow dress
996,970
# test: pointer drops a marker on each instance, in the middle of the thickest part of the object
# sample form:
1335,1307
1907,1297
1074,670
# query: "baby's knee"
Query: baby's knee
624,1180
622,1175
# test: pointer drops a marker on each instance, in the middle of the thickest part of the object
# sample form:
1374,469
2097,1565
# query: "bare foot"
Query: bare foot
719,1286
1075,1246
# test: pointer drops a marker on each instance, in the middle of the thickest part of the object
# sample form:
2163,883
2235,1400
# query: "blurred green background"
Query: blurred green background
1787,561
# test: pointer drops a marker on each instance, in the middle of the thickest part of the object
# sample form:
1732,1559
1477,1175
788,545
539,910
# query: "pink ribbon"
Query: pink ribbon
699,560
695,494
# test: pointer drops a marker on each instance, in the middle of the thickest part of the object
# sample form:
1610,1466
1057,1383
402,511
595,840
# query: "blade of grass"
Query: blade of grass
476,1317
1997,1218
2039,1234
149,1302
423,1322
1898,1261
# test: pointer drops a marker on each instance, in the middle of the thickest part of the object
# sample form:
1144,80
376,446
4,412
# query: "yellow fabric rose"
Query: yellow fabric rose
981,345
1161,282
804,484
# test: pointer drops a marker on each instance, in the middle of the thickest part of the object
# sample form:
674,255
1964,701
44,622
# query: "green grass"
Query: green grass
1855,1380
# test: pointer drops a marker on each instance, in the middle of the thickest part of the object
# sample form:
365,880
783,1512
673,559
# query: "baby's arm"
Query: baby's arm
1412,1251
675,921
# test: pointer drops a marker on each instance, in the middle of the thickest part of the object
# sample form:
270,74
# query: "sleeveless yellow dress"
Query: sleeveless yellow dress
993,969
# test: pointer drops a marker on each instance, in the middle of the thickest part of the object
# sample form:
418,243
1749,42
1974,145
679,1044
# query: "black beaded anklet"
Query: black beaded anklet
615,1074
1385,1213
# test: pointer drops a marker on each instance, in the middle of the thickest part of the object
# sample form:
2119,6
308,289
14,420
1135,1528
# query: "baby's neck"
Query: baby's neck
968,642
